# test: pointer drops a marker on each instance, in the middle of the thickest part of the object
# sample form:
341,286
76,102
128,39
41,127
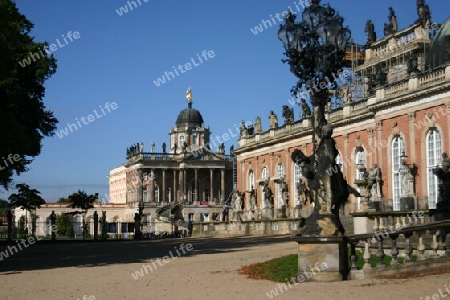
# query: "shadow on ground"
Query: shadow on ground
61,254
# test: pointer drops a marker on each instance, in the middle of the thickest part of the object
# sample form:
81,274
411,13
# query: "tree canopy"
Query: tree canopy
82,200
26,198
24,119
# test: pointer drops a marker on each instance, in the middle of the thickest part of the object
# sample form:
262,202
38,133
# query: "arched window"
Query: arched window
251,180
397,148
297,176
360,161
280,171
195,139
434,151
265,174
339,162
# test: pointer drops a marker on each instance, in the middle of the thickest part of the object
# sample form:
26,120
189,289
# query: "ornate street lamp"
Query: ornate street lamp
315,49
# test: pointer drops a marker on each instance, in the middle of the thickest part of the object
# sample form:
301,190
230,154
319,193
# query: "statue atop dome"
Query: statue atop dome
189,95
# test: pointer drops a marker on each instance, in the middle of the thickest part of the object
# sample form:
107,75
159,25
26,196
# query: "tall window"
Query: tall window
265,173
193,194
156,193
169,194
397,147
251,180
360,160
434,151
181,138
195,139
339,162
207,194
144,194
297,176
280,171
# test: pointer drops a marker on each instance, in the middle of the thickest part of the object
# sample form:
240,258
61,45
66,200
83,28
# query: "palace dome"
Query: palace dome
439,52
189,117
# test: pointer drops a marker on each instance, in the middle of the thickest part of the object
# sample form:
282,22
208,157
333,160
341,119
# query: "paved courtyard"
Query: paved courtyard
200,269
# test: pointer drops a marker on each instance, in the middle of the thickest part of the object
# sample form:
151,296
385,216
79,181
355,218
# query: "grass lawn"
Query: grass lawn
279,269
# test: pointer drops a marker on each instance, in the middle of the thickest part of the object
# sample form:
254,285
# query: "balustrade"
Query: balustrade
416,243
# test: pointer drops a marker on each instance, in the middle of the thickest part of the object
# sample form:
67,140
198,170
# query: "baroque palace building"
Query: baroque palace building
391,123
186,171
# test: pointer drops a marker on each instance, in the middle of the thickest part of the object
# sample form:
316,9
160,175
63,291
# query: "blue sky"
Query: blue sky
118,58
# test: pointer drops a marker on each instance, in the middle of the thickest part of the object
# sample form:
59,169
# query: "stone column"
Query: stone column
379,137
163,185
448,115
139,187
175,193
184,184
372,149
195,185
222,186
151,188
412,136
211,184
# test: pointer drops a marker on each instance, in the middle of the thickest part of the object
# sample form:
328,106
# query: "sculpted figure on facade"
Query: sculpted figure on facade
252,199
268,196
345,93
302,193
285,194
273,120
306,111
413,63
443,174
288,114
243,129
392,21
374,182
370,32
406,180
238,201
258,127
423,11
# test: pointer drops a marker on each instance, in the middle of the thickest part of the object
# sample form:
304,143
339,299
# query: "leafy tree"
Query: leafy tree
5,206
27,199
84,202
63,200
64,225
21,231
24,119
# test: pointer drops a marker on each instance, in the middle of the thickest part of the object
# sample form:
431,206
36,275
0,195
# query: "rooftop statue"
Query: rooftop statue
273,120
189,95
370,32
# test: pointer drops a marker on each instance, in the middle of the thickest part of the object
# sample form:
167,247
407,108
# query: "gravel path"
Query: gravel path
207,269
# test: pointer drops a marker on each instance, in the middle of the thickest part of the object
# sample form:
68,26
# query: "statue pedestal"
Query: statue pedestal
322,224
236,215
407,203
376,205
322,259
267,213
